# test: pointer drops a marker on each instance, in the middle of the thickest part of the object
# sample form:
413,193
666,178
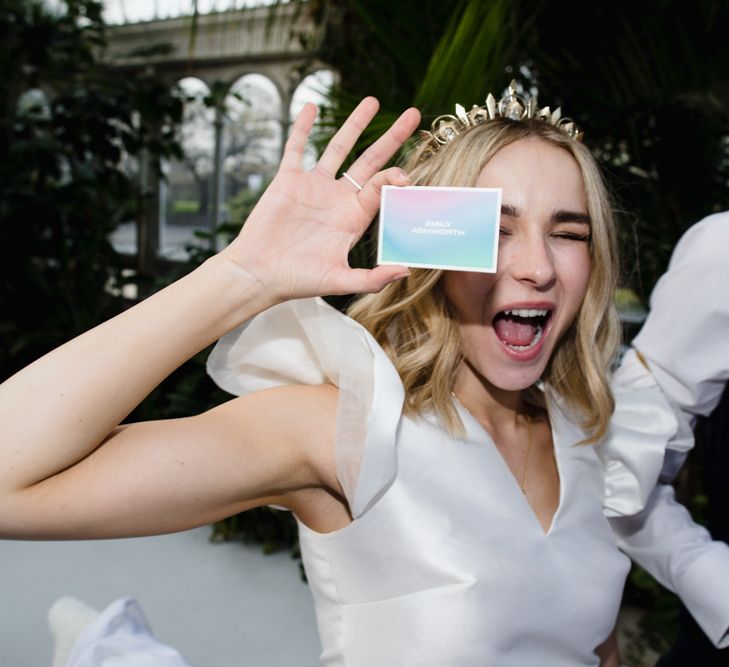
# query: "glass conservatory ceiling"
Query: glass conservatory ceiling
133,11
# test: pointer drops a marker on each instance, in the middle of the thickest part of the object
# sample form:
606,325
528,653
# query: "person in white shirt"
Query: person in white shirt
685,345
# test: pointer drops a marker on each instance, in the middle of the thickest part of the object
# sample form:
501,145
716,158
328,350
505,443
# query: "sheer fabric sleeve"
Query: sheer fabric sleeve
308,342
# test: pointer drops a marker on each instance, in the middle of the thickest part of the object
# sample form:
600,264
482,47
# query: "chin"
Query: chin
507,375
518,381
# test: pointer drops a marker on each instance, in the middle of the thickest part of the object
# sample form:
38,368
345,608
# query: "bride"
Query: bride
435,447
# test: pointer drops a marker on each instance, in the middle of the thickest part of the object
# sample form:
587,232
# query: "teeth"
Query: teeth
527,312
537,338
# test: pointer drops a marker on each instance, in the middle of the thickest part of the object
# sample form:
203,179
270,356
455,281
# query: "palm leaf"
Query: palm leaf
471,57
474,43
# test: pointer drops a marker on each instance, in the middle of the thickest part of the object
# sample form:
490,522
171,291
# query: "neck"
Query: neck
493,407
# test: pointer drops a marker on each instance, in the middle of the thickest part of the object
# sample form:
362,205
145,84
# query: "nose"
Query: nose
530,261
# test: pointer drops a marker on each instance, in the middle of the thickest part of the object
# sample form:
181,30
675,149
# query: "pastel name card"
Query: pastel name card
439,228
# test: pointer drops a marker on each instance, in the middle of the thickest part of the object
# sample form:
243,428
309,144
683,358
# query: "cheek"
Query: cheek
576,267
468,295
475,346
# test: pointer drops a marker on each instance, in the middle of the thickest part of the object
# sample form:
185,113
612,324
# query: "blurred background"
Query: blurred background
138,134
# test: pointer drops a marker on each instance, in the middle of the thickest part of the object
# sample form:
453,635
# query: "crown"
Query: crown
447,127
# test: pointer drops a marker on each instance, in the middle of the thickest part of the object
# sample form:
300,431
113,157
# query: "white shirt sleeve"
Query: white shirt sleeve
686,336
685,341
681,555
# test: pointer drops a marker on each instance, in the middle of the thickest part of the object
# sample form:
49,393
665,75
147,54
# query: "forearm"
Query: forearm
61,407
680,555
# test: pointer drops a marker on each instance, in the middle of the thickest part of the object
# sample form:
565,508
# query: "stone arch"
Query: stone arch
277,77
186,193
228,46
311,88
252,136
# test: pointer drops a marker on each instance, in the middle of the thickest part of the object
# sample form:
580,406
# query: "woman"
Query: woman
446,515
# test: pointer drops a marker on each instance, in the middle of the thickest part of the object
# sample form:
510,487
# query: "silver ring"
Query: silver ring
351,180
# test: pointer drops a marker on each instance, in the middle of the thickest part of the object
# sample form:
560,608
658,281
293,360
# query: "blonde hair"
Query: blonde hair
416,327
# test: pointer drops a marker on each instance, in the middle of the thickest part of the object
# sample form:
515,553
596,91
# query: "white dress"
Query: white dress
445,563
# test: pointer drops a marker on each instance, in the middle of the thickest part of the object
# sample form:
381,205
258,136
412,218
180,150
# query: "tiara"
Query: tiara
447,127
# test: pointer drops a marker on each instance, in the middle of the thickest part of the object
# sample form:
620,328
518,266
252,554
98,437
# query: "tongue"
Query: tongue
515,330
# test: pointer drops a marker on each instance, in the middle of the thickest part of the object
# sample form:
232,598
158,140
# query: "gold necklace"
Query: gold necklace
454,395
525,472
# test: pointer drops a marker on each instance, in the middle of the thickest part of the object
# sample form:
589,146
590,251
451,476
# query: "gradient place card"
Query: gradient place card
439,228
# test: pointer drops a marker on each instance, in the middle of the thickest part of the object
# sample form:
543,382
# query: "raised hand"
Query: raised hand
70,471
296,240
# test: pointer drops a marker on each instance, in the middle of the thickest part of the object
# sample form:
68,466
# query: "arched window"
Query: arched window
251,142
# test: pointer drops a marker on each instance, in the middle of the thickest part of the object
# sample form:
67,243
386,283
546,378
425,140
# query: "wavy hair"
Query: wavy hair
413,322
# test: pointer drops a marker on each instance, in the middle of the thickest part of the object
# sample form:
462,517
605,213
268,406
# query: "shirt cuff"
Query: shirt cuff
704,590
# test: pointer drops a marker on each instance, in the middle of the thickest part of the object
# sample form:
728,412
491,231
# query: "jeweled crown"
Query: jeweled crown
447,127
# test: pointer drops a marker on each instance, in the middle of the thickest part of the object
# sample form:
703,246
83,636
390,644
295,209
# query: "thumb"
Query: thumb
367,281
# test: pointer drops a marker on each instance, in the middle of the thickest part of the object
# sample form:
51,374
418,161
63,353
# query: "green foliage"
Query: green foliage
472,53
185,206
627,300
650,84
408,53
72,130
272,528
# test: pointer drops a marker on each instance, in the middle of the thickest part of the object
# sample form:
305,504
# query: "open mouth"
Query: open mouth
521,329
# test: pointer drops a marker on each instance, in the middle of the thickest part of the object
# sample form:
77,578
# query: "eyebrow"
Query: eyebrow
558,216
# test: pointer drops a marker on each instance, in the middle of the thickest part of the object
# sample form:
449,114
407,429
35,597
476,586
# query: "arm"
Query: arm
681,555
69,470
685,339
684,345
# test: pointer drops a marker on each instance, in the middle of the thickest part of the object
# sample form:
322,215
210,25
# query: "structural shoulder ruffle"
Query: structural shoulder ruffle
309,342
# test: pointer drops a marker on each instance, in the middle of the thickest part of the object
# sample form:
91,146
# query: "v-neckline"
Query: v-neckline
479,430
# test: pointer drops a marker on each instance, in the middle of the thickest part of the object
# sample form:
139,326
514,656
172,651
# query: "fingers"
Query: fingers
361,281
369,195
344,140
378,154
296,143
373,159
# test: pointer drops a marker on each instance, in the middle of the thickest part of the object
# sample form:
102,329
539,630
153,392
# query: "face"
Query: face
511,321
